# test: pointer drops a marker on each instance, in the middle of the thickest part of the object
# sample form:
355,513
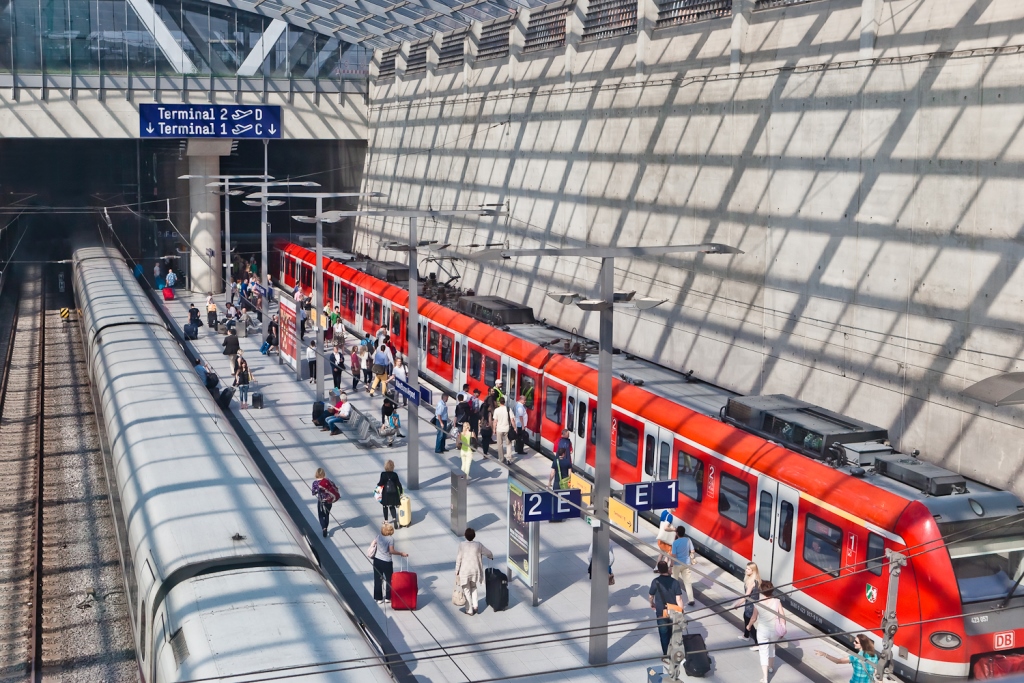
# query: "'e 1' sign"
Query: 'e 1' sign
209,121
652,495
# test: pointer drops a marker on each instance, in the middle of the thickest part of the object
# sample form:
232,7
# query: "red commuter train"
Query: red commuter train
824,528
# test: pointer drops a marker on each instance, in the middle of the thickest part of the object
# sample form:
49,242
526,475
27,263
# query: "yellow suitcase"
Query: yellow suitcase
405,511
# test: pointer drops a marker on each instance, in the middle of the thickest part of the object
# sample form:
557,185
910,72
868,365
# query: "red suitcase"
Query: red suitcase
168,293
404,587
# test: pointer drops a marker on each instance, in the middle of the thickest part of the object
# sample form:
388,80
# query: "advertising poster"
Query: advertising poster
518,532
287,340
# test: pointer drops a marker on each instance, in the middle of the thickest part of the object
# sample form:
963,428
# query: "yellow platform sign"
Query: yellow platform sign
621,515
578,482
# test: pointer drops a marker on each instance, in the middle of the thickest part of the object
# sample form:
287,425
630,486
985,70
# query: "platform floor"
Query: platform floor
296,448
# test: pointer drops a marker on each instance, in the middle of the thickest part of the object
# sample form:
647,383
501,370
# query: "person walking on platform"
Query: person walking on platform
366,364
561,466
519,410
211,312
381,551
243,376
486,420
273,335
469,569
665,595
666,537
326,494
466,448
380,370
751,594
766,616
441,423
863,661
311,360
337,360
684,554
390,490
230,345
355,359
503,422
401,373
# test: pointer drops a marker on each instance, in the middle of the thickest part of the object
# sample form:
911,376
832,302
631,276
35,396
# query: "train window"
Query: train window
446,350
764,516
649,454
367,309
376,313
435,341
570,412
553,405
490,371
876,553
458,355
593,424
581,429
627,444
526,387
396,323
785,534
664,461
465,355
343,299
690,475
475,360
733,499
504,372
822,545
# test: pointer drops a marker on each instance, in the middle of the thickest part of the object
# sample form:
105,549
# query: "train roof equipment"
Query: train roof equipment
496,311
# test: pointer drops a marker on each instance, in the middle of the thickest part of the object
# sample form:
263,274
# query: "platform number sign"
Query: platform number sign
1004,640
543,506
652,495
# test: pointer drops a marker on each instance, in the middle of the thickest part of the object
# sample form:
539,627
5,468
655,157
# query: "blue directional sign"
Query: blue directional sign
542,506
407,390
652,495
209,121
426,396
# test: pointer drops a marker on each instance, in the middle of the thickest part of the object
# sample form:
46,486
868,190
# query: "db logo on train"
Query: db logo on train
1004,640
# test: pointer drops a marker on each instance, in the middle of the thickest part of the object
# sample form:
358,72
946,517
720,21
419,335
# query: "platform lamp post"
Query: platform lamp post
412,474
318,280
602,464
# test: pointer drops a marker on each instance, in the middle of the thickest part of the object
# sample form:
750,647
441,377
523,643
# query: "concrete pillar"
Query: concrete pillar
470,50
741,11
870,20
433,57
204,228
401,61
646,20
375,66
516,43
573,34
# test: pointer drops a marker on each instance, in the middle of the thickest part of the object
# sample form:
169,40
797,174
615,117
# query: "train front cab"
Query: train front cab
973,575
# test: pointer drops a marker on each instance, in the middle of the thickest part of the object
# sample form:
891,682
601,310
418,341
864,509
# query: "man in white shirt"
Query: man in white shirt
520,412
503,422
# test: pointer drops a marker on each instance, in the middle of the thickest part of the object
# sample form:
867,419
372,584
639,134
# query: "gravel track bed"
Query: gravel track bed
86,632
18,456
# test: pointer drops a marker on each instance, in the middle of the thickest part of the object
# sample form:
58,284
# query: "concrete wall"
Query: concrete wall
874,185
88,114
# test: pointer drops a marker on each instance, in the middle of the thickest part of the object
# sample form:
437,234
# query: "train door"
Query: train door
577,421
775,530
459,369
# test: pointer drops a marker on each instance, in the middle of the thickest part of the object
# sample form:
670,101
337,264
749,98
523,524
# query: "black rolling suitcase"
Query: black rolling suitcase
191,331
224,400
698,661
318,413
257,399
211,382
497,588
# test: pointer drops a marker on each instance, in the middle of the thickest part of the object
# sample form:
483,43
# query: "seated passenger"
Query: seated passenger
338,413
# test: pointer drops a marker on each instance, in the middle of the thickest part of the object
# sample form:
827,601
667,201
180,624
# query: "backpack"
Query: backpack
390,490
327,487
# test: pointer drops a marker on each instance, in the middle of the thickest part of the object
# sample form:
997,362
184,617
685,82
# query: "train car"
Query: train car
220,583
815,498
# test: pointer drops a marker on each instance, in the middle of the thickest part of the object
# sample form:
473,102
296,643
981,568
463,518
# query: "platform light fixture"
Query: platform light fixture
598,646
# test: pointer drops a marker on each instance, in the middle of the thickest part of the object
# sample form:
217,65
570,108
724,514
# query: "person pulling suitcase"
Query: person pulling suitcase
665,595
469,569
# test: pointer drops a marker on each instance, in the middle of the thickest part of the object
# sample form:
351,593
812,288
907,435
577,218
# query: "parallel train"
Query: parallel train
815,498
221,585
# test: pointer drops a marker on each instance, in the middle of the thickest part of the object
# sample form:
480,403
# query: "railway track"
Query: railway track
63,614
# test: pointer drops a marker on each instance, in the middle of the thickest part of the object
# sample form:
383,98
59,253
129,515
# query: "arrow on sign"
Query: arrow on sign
149,128
272,129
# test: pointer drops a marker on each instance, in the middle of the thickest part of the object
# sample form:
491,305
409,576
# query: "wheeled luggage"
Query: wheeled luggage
698,661
168,294
191,331
496,584
265,348
318,413
224,400
257,399
212,380
404,589
405,511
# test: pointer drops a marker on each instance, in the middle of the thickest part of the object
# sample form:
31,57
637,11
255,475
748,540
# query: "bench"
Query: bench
366,431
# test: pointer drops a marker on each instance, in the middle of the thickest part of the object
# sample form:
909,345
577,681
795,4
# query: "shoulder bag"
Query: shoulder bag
372,552
780,622
670,604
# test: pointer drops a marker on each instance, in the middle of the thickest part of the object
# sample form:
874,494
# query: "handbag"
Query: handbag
458,597
372,552
563,482
378,493
454,432
780,624
670,605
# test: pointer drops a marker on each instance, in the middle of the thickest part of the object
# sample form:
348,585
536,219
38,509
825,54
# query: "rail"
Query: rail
37,562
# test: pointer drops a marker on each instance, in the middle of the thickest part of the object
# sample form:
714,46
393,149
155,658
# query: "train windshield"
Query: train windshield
987,556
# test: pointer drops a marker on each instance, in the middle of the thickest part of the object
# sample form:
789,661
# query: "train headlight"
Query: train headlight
944,640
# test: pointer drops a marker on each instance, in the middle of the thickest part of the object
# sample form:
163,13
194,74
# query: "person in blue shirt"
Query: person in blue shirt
863,662
441,423
684,554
